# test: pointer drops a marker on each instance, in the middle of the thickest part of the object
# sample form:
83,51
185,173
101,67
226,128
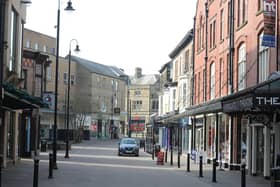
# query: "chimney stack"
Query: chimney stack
138,73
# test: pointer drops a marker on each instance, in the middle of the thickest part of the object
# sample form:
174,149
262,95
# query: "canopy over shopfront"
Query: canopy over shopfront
262,98
15,98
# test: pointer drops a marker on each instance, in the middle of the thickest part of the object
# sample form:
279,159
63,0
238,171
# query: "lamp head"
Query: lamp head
69,6
77,49
25,2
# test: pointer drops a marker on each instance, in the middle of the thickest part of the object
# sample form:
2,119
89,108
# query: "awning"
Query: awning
208,107
15,98
264,97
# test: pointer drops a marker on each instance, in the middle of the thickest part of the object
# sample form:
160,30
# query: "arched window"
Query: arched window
241,66
263,60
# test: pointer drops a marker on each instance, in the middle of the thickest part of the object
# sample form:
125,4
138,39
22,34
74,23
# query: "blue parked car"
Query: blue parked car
128,146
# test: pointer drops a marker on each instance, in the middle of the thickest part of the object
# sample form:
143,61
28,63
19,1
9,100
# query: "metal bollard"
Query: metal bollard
188,162
243,175
153,153
200,167
214,171
178,160
36,172
171,157
0,175
166,155
50,166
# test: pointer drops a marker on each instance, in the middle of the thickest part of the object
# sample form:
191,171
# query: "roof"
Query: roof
183,43
93,67
165,66
145,80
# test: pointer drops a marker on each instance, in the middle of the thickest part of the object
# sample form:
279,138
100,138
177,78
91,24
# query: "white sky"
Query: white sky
124,33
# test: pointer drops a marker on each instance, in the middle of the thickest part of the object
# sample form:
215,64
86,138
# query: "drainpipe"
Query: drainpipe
277,34
206,52
192,87
231,47
193,59
2,35
230,73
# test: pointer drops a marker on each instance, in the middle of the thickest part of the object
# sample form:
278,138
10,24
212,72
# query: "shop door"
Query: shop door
199,139
260,150
272,151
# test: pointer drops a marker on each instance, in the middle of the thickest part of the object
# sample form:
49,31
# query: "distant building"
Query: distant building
176,97
143,101
100,94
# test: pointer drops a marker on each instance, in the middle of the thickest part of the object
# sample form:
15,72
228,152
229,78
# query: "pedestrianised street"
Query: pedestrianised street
96,163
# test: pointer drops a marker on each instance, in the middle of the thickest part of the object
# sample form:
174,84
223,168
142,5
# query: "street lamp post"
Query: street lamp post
68,8
68,96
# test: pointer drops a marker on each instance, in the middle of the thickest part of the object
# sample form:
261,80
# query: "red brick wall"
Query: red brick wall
246,33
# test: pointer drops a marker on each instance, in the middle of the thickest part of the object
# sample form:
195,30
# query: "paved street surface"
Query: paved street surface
95,163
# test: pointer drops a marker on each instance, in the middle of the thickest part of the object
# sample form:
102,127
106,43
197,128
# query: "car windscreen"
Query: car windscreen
128,142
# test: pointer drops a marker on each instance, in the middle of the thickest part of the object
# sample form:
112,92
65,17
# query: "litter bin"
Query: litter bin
275,177
157,150
43,145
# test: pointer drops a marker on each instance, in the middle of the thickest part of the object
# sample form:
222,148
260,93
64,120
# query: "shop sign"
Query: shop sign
267,101
238,105
117,110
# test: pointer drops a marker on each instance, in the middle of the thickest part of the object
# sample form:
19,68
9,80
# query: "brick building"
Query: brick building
235,84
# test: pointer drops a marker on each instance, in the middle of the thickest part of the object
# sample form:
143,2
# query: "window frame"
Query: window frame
263,60
242,67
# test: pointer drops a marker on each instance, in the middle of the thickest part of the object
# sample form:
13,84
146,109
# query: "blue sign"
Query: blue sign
268,40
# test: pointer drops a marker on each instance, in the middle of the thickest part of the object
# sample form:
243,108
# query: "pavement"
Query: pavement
21,174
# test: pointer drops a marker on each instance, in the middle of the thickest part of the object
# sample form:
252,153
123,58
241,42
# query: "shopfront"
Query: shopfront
199,135
224,150
256,117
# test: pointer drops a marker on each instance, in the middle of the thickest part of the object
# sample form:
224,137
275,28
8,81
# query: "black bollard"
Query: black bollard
36,171
188,162
178,160
166,155
243,175
214,171
0,175
200,167
171,157
153,153
50,166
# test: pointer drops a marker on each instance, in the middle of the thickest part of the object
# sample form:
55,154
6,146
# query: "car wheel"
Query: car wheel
137,154
119,153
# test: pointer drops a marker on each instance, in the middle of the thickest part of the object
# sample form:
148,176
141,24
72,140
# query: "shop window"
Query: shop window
211,136
243,144
224,138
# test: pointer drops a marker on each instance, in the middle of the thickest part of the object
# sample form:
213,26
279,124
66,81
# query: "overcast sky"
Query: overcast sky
124,33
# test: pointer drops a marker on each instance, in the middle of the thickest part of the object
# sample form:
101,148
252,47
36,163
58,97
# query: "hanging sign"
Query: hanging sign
269,11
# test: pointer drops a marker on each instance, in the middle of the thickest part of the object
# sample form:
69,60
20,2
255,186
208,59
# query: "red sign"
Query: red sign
93,127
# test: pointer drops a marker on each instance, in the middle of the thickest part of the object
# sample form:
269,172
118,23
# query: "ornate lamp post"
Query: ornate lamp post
77,49
68,8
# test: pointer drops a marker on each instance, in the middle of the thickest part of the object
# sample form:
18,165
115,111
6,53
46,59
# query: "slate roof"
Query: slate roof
183,43
93,67
145,80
